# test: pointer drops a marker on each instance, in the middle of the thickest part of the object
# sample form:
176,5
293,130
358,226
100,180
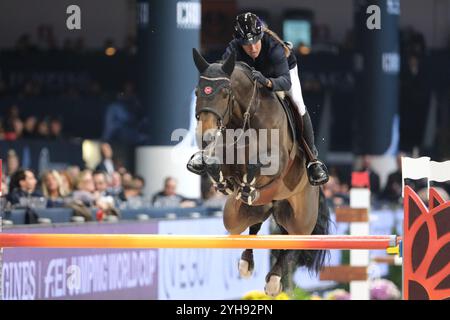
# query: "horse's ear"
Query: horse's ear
199,61
228,66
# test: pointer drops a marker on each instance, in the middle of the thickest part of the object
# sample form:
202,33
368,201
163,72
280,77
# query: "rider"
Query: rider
276,69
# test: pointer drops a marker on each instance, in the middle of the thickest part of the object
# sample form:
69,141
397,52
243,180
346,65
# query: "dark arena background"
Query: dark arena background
98,118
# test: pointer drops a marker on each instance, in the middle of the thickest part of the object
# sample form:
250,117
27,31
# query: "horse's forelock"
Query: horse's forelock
215,70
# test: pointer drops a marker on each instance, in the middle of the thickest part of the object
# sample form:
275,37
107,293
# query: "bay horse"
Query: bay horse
227,98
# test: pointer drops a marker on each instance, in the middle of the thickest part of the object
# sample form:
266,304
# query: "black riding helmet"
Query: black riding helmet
248,28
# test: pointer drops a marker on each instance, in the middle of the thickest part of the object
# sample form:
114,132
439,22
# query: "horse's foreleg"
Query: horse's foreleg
216,176
247,191
246,264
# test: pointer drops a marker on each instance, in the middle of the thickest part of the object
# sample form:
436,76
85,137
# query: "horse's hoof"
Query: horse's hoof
244,269
273,287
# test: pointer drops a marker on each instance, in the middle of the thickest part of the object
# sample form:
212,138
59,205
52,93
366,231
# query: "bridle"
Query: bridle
221,124
230,103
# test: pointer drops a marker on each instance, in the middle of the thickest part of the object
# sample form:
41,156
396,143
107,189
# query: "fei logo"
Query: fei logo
60,277
188,15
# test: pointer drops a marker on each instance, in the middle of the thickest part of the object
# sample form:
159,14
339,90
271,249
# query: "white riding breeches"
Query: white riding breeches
296,91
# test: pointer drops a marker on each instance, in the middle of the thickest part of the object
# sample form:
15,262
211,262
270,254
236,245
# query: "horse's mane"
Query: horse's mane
242,66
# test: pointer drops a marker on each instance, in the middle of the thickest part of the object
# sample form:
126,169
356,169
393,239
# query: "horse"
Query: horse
228,99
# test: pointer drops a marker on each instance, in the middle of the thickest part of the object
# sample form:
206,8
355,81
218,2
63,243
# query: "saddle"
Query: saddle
294,118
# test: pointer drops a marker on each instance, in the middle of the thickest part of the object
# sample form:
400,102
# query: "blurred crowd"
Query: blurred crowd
14,127
46,41
106,190
337,190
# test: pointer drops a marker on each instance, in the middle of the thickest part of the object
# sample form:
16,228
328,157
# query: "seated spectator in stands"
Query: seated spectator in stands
29,128
12,164
87,194
374,178
55,129
127,177
393,190
169,197
22,185
115,186
335,193
85,189
140,183
131,195
74,174
13,129
101,182
107,164
101,187
42,130
53,190
66,183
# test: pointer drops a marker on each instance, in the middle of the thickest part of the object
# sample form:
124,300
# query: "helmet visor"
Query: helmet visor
250,38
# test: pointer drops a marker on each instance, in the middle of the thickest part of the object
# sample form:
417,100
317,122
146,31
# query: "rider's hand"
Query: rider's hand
258,76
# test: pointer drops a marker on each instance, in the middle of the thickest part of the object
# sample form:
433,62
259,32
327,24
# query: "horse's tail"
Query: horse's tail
314,260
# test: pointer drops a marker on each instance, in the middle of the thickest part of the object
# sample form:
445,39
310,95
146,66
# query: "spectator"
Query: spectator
66,183
169,197
12,163
42,130
335,193
101,182
373,177
140,184
126,177
393,190
115,187
101,188
85,189
130,191
13,129
74,174
87,194
107,164
22,185
55,130
52,189
29,128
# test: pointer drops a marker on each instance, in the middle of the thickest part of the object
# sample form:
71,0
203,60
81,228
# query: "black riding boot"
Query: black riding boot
197,163
316,169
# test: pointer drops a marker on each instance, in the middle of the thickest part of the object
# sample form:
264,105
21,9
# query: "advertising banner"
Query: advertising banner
206,274
31,274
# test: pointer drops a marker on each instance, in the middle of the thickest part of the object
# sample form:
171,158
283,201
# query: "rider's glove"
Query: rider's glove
258,76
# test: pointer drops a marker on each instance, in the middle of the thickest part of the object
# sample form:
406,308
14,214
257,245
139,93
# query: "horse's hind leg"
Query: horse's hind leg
285,259
246,264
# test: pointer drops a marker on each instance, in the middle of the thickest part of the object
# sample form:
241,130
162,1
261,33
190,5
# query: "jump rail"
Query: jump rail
146,241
